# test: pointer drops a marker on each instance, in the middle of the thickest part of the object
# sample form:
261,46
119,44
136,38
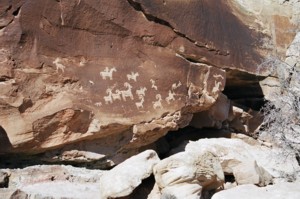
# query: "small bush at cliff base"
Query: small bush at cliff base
281,122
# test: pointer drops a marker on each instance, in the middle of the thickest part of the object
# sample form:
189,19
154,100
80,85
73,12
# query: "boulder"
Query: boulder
124,178
277,191
56,181
58,189
244,160
185,175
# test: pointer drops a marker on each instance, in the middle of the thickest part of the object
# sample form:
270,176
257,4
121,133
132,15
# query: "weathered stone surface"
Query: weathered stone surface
124,178
4,179
66,80
185,175
57,190
277,191
262,161
75,74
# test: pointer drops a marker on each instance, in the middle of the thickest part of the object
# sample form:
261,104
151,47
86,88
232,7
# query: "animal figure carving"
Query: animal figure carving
175,86
216,88
98,104
140,104
153,84
116,95
218,76
108,73
170,97
127,93
58,65
157,104
108,99
132,76
141,91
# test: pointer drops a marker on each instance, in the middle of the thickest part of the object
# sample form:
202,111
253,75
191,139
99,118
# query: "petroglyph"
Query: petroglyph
91,82
83,61
157,104
108,73
132,76
175,86
61,13
108,99
98,104
141,91
140,103
153,84
170,97
58,65
117,95
127,93
218,76
216,88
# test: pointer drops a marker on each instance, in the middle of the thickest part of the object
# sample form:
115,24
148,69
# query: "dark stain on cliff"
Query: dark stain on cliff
210,23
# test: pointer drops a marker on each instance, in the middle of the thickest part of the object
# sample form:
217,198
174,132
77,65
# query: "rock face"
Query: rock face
124,71
95,82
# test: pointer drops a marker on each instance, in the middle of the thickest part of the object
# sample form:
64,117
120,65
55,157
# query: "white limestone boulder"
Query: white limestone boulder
124,178
277,191
245,161
185,175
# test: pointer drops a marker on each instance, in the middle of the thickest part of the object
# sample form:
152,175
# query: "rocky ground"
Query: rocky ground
146,99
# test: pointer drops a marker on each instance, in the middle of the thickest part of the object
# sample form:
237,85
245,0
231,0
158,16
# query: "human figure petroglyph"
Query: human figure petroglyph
153,84
108,73
141,91
132,76
216,88
157,104
108,99
127,93
140,104
117,95
218,76
170,96
58,65
175,86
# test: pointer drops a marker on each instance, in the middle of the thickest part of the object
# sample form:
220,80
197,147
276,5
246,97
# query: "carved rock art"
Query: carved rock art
132,76
58,65
91,82
117,95
216,88
218,76
108,99
83,61
175,86
157,104
108,73
153,84
98,104
141,91
127,93
140,104
170,97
